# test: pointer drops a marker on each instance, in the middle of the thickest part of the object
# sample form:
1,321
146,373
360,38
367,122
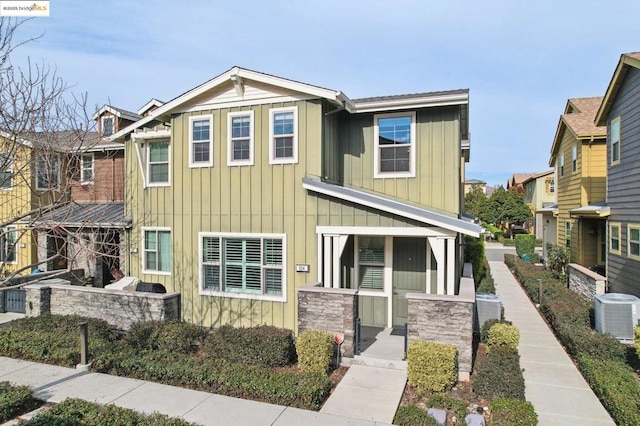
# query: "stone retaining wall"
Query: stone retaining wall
119,308
585,282
329,309
445,319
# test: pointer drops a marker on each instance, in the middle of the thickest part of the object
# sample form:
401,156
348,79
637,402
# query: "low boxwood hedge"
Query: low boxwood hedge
500,375
512,412
15,400
315,351
171,335
431,366
412,415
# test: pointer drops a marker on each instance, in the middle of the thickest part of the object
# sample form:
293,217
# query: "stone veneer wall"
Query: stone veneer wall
119,308
445,319
329,309
586,282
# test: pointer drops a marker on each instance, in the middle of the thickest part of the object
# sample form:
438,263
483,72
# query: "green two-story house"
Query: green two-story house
250,186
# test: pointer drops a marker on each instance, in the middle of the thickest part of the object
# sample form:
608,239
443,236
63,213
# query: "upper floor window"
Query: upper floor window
107,126
633,249
283,135
561,164
47,171
574,159
87,168
614,238
8,237
200,141
6,171
246,266
551,185
567,233
158,155
157,250
614,136
240,138
394,145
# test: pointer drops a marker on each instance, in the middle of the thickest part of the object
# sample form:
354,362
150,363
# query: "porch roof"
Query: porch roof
393,206
592,210
82,215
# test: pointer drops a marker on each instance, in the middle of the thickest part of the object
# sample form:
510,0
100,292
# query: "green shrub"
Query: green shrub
558,259
315,350
508,242
262,345
487,285
72,412
484,330
500,376
503,335
580,339
14,400
431,366
474,253
616,385
636,340
439,400
525,244
174,335
512,412
412,415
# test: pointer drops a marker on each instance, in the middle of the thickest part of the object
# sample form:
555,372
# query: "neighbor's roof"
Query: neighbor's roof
596,209
627,60
82,215
518,178
118,112
392,206
538,175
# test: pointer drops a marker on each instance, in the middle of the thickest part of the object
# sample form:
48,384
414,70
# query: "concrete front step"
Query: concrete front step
380,363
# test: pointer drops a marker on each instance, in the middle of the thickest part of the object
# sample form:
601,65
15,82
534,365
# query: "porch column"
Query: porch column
326,264
451,266
438,246
429,267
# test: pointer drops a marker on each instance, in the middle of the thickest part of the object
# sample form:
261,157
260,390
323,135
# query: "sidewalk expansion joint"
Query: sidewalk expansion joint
590,419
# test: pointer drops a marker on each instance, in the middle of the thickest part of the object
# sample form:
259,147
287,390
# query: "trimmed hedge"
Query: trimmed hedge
474,253
503,335
263,345
512,412
412,415
636,340
484,331
15,400
617,387
457,406
525,244
431,366
500,376
78,412
487,284
171,335
315,351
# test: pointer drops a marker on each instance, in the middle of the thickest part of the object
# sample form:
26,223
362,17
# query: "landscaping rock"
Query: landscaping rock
474,420
439,415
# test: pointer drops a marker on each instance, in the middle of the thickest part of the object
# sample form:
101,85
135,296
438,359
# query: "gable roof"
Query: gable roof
237,75
627,60
538,175
146,107
118,112
518,178
578,117
395,207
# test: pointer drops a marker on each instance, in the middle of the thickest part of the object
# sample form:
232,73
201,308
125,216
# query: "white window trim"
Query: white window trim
193,163
38,187
631,226
148,165
93,169
9,169
412,148
613,163
113,125
561,165
234,295
294,158
230,160
609,237
567,224
143,251
574,159
14,229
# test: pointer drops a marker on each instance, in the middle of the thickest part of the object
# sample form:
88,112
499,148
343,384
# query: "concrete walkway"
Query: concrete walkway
54,384
554,386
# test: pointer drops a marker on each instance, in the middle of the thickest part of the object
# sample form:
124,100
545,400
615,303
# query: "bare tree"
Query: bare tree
45,134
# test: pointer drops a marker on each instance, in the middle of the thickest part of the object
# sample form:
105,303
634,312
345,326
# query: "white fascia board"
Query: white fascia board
20,140
424,102
320,92
151,134
104,147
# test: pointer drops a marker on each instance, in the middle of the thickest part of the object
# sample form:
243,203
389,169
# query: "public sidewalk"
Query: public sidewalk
554,386
54,384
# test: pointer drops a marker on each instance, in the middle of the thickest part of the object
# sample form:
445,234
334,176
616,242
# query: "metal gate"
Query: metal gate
15,300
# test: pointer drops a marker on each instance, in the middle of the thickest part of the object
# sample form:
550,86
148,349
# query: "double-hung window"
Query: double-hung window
107,126
614,140
633,239
158,154
6,171
157,251
8,237
395,145
86,168
574,159
567,233
371,262
244,266
283,135
201,141
614,238
47,171
561,164
240,138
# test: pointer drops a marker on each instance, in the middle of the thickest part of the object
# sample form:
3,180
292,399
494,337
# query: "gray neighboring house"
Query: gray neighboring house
620,112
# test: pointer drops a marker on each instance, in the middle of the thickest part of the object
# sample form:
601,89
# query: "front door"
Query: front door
409,273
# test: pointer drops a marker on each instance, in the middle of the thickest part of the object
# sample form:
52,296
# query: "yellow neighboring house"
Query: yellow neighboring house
28,183
540,195
579,157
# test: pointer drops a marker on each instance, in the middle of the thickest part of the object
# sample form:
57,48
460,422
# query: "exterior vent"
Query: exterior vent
617,314
488,306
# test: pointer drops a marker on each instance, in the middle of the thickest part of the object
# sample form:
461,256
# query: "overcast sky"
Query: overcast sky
520,60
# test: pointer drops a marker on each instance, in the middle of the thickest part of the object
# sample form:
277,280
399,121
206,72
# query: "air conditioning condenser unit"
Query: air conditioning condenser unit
617,314
488,306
